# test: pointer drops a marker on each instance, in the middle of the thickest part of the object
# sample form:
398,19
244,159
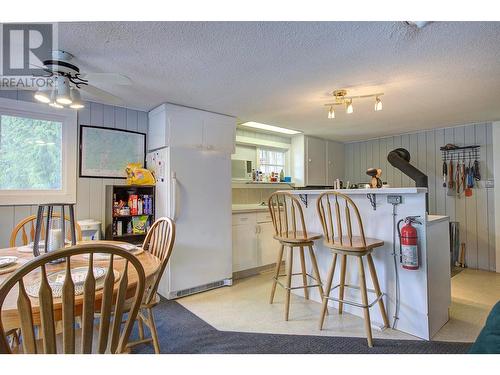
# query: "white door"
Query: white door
218,132
244,247
268,246
186,126
334,162
203,218
315,161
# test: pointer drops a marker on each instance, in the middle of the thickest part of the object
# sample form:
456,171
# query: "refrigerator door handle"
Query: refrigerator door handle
174,196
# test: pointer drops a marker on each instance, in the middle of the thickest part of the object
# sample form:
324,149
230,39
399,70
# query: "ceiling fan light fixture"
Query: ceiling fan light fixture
76,100
63,91
331,113
349,108
42,95
378,104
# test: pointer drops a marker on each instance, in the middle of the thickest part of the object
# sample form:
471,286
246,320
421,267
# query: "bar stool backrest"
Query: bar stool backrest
287,216
159,241
334,210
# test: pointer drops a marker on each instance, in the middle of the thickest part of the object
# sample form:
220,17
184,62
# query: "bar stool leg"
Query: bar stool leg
326,294
364,299
140,327
376,286
316,271
276,273
304,274
343,265
289,270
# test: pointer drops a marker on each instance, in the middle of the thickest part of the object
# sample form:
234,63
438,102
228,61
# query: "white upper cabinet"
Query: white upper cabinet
334,162
219,132
178,126
315,161
158,132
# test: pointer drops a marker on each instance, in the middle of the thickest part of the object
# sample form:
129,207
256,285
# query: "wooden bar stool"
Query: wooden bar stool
290,231
345,244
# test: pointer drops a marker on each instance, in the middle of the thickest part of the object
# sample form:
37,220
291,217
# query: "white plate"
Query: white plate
41,246
78,275
7,261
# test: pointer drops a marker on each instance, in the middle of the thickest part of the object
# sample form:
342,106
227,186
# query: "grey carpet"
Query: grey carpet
181,331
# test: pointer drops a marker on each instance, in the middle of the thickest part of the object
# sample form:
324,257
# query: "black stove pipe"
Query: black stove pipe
400,159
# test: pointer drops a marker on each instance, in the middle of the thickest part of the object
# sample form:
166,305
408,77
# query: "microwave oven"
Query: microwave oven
241,170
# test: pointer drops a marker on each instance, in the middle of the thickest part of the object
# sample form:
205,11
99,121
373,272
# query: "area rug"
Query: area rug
181,331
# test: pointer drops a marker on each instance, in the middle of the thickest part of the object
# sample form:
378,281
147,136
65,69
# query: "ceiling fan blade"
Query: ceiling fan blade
109,78
101,94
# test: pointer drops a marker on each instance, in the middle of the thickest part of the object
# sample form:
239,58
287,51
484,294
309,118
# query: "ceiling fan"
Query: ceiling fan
65,81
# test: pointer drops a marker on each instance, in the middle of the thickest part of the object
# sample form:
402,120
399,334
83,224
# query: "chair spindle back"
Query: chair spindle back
111,338
27,229
159,241
334,210
287,216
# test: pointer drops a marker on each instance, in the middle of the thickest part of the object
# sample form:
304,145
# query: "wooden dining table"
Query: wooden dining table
10,316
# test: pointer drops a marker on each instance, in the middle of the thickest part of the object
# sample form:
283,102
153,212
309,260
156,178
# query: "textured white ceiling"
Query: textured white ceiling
280,72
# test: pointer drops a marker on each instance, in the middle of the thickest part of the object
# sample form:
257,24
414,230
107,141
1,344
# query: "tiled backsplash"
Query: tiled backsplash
250,196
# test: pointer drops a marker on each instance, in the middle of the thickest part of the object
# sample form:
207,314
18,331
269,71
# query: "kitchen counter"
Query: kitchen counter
425,294
409,190
244,208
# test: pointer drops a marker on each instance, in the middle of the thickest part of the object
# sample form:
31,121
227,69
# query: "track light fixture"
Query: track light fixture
341,98
348,108
331,113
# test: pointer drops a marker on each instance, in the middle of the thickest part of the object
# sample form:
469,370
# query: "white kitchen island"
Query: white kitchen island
425,294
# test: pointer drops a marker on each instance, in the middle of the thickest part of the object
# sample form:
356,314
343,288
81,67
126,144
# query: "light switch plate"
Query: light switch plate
489,184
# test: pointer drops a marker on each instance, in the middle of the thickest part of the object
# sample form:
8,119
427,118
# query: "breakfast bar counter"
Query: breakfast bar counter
424,294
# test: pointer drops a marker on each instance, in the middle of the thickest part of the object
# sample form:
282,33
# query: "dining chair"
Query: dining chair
334,210
159,242
291,232
27,226
105,337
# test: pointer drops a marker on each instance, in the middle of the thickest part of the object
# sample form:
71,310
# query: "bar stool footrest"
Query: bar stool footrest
354,303
298,287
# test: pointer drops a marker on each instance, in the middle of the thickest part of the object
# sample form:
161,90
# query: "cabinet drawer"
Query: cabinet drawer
264,217
242,219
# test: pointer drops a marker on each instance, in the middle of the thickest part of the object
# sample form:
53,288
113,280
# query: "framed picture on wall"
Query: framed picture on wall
105,152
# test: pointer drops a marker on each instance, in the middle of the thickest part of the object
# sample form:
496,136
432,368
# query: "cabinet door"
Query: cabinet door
157,128
186,126
244,247
219,132
268,246
315,161
334,162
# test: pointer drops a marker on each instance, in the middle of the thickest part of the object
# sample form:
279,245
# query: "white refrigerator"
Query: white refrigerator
193,187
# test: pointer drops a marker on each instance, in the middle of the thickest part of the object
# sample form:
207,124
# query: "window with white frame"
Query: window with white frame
37,154
271,160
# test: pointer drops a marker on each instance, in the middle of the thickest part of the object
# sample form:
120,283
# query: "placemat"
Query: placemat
33,288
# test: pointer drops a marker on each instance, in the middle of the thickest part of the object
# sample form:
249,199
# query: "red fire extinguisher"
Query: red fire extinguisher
408,240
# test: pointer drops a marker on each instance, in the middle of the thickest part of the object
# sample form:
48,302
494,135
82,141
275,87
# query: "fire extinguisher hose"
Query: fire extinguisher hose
396,227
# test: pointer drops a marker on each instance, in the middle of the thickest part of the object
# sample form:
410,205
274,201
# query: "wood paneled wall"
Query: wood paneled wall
90,191
475,214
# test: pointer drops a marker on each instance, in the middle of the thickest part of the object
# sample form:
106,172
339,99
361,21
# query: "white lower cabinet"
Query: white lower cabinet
266,244
253,242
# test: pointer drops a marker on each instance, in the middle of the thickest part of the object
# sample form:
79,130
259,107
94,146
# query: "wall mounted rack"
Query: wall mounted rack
462,153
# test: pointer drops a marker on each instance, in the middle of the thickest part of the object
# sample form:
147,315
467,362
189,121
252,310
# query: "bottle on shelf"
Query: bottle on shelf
282,176
140,206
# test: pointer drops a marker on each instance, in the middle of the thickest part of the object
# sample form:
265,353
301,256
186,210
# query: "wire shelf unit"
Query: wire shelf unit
462,153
